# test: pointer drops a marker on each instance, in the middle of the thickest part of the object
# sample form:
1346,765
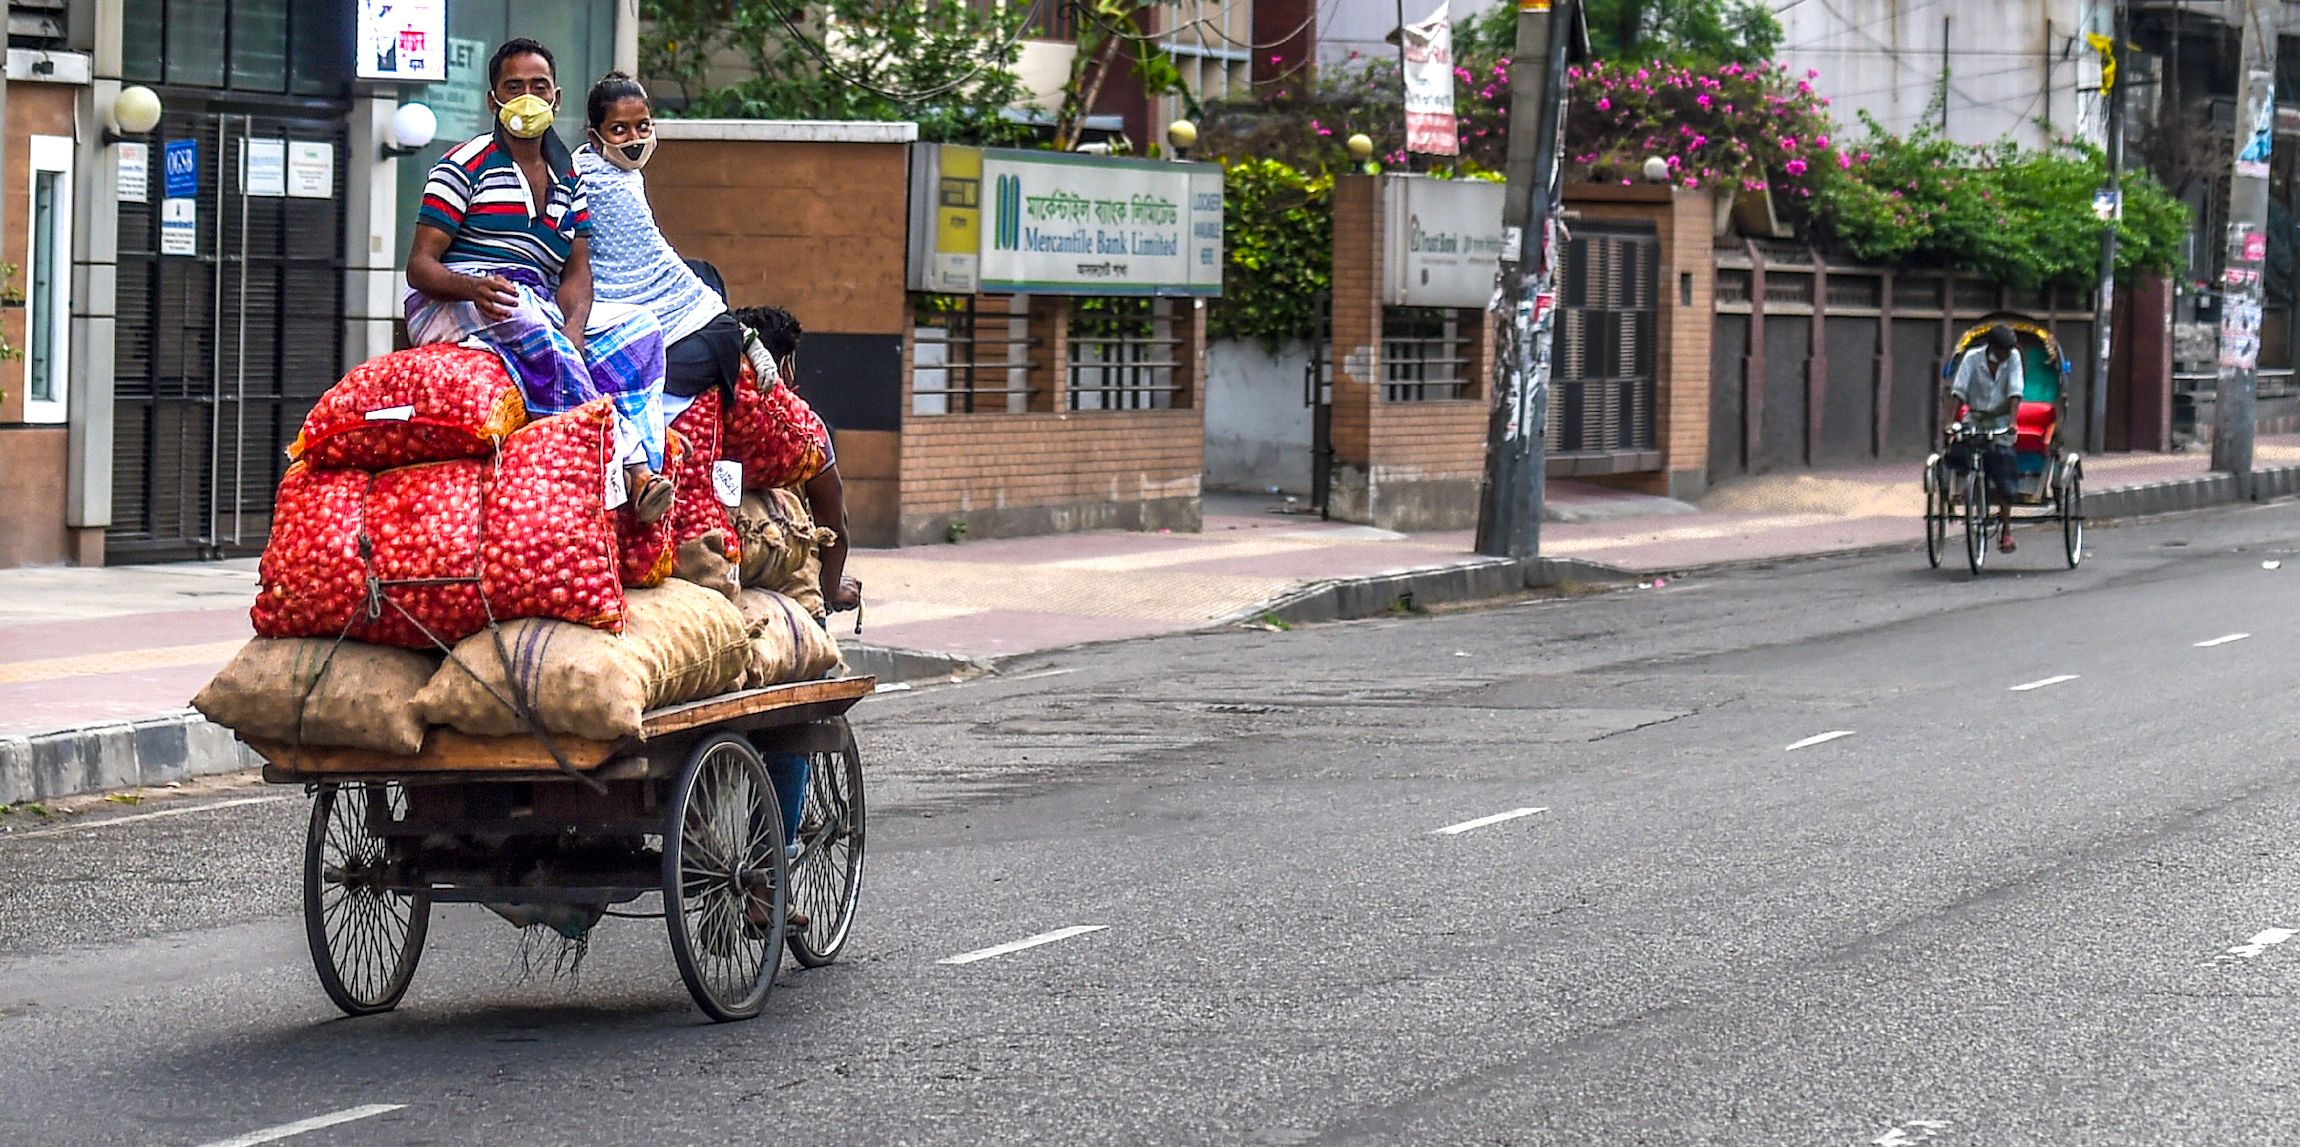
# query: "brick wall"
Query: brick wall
1398,465
818,228
1054,470
1050,471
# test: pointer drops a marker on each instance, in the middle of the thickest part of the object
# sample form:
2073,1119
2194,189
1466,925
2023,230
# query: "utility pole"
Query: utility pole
2110,205
1509,513
2234,411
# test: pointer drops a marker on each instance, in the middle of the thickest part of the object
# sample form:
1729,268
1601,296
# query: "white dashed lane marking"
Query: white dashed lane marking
1481,822
1820,739
301,1126
2222,640
1019,945
2041,684
2260,942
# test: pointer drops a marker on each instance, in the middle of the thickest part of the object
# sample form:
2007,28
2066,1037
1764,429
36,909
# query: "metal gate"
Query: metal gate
221,353
1318,395
1603,394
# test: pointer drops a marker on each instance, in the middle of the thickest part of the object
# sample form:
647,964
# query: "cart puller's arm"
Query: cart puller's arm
827,501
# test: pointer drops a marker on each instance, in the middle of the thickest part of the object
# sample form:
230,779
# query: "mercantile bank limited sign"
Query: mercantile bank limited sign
998,221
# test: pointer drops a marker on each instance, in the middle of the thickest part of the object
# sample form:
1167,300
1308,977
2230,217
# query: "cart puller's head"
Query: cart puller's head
2001,343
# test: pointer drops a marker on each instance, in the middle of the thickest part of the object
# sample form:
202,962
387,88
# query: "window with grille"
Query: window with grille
1426,353
1123,354
969,355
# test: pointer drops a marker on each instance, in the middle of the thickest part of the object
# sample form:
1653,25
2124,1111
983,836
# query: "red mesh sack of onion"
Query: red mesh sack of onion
431,404
442,545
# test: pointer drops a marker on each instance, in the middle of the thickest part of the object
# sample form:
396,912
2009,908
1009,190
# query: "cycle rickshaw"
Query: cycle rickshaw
2048,483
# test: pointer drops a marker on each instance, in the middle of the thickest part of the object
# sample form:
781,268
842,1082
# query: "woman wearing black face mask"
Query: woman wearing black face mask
632,263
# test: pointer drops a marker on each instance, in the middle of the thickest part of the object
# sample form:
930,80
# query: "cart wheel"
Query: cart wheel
1976,519
1936,515
722,845
2071,499
365,939
826,879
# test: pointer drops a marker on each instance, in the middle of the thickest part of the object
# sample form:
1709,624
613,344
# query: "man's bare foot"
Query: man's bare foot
651,494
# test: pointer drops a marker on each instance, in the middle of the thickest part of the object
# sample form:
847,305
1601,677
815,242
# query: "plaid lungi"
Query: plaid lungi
622,356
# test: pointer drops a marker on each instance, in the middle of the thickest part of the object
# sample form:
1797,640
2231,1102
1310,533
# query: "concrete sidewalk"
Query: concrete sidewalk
97,665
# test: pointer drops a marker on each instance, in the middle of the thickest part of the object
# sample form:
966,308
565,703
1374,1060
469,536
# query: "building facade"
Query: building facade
189,290
2018,69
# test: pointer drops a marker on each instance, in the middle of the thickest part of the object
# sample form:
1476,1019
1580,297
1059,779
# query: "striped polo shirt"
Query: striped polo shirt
478,194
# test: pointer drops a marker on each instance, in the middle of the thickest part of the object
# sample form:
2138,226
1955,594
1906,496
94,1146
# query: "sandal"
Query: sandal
651,498
2005,543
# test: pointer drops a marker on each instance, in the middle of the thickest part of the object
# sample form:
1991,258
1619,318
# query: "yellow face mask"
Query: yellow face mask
527,117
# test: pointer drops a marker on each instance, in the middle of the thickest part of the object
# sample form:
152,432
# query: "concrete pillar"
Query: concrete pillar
373,283
627,36
1049,352
96,29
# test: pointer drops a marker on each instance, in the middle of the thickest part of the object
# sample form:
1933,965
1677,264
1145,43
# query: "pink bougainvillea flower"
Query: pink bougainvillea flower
1788,143
1604,105
1703,101
1796,167
1844,161
1812,73
1691,182
1821,141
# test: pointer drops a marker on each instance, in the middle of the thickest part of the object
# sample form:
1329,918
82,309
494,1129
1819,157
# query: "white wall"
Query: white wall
1884,56
1257,428
1361,26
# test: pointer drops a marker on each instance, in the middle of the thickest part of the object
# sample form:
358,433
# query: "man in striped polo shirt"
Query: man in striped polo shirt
502,255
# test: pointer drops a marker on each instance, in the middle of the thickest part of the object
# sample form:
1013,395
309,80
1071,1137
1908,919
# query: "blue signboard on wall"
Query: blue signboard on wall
183,168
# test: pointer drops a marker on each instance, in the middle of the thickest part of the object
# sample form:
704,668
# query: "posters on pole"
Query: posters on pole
1430,125
2240,299
134,184
402,40
2252,157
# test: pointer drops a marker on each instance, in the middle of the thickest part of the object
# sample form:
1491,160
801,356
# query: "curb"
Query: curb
117,755
1352,599
1349,599
182,744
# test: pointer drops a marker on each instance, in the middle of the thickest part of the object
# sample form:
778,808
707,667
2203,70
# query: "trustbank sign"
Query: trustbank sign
1066,224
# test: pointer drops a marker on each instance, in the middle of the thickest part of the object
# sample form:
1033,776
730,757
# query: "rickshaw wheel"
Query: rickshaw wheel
1936,515
2070,497
1976,519
826,879
365,940
723,846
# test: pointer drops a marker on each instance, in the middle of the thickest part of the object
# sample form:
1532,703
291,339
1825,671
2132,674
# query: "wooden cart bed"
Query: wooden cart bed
447,752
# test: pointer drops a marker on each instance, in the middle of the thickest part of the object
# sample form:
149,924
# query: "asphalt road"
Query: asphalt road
2053,915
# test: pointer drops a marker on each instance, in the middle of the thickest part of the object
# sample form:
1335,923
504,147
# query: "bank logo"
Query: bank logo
1006,206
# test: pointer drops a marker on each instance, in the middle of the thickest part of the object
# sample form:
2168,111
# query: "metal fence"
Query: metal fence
1819,363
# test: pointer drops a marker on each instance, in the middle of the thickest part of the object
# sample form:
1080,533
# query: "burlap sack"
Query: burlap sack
317,691
704,561
681,642
778,534
786,644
